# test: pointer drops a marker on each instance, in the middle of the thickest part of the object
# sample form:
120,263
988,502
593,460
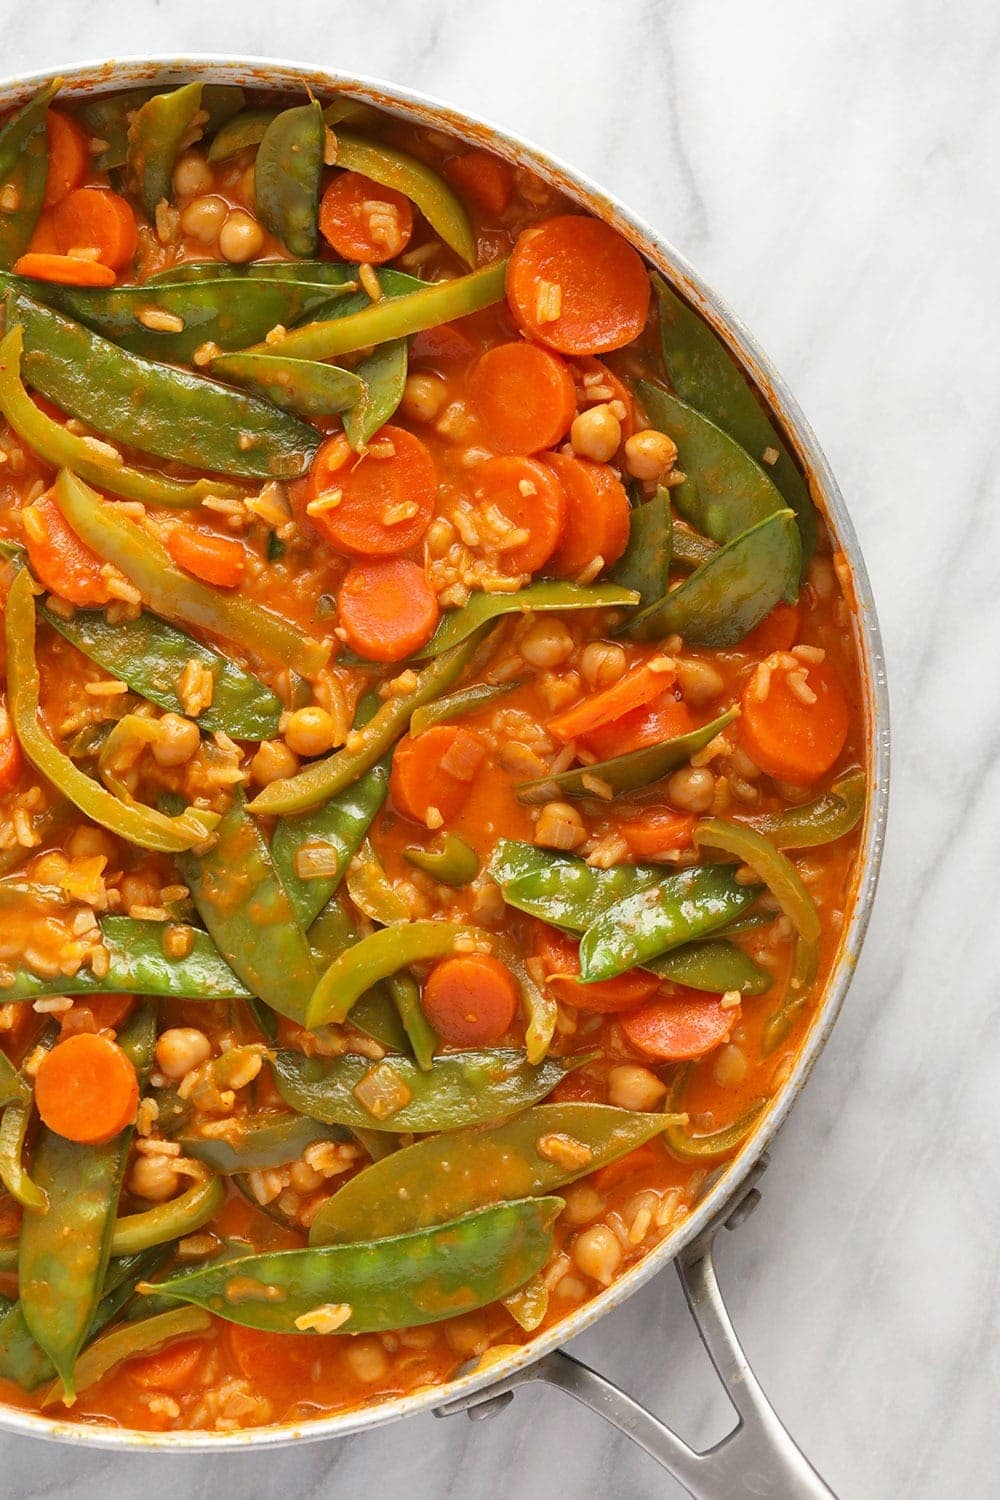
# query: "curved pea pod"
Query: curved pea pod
644,566
304,386
24,167
397,317
287,172
451,862
184,416
705,374
170,592
106,119
376,957
681,907
383,377
463,1088
404,992
805,966
456,705
259,1141
724,598
448,1175
774,868
242,902
439,204
378,1285
240,133
371,890
171,1220
15,1178
827,817
353,111
12,1086
64,1251
339,275
139,1336
537,598
715,965
155,133
625,773
560,888
687,1147
375,1012
334,833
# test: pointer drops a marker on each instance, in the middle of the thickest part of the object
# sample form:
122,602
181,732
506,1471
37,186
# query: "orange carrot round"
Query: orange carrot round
43,237
59,560
558,954
682,1025
287,1362
663,719
86,1089
789,736
470,1000
778,631
484,179
96,1013
639,1160
446,344
11,760
655,830
69,156
532,499
64,270
364,221
597,514
213,559
378,504
523,396
433,773
387,609
96,219
169,1369
577,286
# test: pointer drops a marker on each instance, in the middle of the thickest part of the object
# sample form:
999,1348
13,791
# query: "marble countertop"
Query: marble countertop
831,169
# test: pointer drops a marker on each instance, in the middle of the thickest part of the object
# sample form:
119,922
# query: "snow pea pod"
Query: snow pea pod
287,172
448,1175
12,1086
625,773
259,1141
452,862
463,1088
169,1221
13,1130
689,550
536,598
404,992
140,825
242,902
396,317
805,966
378,1285
383,377
560,888
374,1013
538,1003
376,957
724,598
715,965
689,1147
366,746
644,566
774,868
827,817
704,374
106,119
140,1336
371,890
24,168
339,275
305,386
456,705
439,204
150,655
184,416
64,1252
172,593
154,140
684,906
240,132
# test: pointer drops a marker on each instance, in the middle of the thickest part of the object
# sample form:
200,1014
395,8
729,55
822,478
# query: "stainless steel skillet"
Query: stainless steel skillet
757,1458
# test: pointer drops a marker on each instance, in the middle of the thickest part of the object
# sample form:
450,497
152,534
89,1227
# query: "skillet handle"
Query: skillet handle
757,1460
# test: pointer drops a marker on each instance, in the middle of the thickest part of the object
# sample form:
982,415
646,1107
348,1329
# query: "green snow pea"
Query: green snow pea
371,891
304,386
242,902
774,868
376,957
456,705
704,374
401,1282
169,1221
625,773
562,889
375,1013
354,111
383,377
441,1178
266,1139
720,1142
536,598
24,168
439,204
240,132
405,994
140,1336
15,1178
12,1087
106,119
690,904
723,599
172,593
287,173
805,966
451,862
689,549
644,566
154,140
716,965
827,817
64,1252
463,1088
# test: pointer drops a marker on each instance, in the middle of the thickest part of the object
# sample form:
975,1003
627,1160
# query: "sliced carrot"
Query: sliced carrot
596,383
97,219
664,719
470,1000
639,1160
170,1369
434,772
69,156
579,1087
43,237
788,736
484,179
597,514
656,830
559,956
11,759
86,1089
363,220
686,1023
378,504
65,270
59,560
213,559
446,344
574,284
778,631
530,496
96,1013
387,609
523,396
287,1361
637,689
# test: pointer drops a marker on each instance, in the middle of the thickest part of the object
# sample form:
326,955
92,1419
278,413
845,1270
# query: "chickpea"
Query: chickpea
367,1358
730,1066
310,731
153,1178
241,237
86,842
602,663
583,1203
192,175
178,740
596,434
699,681
560,826
546,643
423,397
649,454
468,1334
140,888
272,762
180,1049
51,868
632,1087
203,218
692,789
597,1253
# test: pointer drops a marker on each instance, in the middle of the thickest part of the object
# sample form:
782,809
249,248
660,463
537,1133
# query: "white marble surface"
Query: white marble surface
831,168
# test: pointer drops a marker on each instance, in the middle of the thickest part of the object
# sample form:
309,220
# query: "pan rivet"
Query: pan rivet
743,1209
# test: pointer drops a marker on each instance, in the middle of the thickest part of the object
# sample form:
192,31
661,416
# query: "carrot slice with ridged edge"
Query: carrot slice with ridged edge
558,954
96,219
364,221
59,560
214,559
69,156
63,270
679,1026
